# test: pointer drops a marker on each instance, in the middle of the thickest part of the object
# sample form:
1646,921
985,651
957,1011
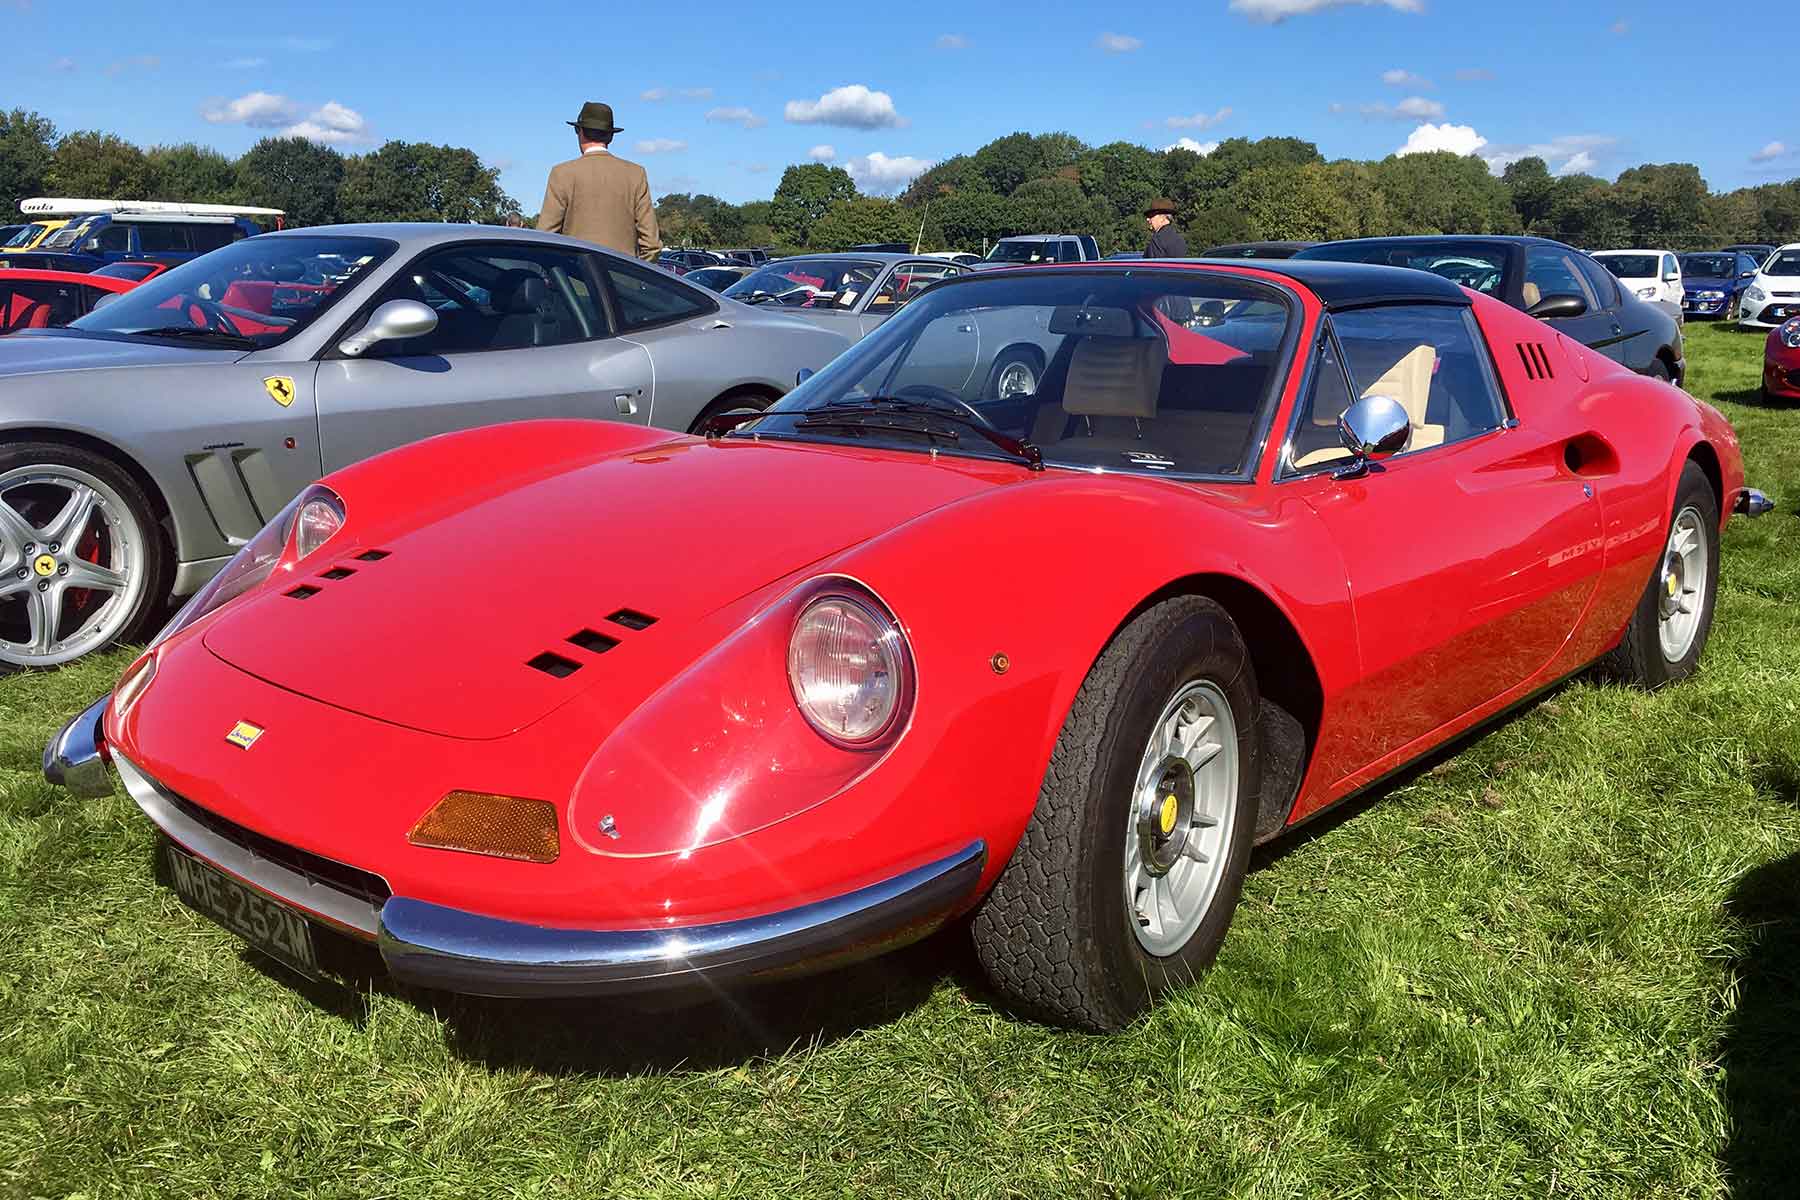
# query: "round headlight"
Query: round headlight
318,519
850,670
1790,334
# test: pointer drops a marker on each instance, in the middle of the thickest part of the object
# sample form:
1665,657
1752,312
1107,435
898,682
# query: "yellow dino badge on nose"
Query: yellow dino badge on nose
281,389
244,734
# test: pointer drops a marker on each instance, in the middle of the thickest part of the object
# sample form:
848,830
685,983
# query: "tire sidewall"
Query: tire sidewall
1008,358
1693,491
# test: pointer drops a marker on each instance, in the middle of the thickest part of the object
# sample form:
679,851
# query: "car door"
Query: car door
1557,270
683,333
1671,280
521,334
1471,555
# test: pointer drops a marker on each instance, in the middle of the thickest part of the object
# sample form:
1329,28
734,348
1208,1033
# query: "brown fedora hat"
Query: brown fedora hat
1162,204
595,116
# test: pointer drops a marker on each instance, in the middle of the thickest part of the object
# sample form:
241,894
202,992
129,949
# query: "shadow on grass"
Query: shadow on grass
1754,398
1761,1054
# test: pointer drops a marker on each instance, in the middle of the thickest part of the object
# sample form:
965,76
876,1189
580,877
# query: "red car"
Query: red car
31,299
1781,362
577,708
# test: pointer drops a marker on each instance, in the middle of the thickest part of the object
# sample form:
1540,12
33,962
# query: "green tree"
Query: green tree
100,166
805,194
1534,191
864,219
417,181
1055,206
1122,175
294,174
197,174
1017,158
955,174
971,220
1665,205
1313,202
27,152
1441,192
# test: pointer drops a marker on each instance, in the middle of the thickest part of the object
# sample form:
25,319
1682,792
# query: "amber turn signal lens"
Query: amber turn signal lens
500,826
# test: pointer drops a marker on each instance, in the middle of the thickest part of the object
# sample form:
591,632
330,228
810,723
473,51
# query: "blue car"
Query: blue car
1712,282
93,241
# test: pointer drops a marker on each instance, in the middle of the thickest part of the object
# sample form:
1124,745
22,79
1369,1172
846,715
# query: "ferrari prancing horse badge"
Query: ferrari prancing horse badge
281,389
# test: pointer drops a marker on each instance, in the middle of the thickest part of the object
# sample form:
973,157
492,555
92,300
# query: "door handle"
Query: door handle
965,329
626,403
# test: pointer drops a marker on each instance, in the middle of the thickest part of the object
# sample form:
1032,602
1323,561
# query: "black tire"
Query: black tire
741,400
1639,658
1054,935
156,560
1013,356
1660,370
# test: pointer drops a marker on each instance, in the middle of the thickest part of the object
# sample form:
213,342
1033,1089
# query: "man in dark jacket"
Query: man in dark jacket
1165,240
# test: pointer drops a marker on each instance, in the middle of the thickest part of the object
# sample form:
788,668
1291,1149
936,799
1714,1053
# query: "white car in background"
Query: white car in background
1651,275
1774,295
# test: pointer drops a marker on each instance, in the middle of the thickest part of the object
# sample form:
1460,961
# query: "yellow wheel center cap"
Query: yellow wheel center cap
44,564
1166,819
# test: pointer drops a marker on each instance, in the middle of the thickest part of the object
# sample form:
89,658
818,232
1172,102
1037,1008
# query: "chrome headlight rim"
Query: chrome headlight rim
861,598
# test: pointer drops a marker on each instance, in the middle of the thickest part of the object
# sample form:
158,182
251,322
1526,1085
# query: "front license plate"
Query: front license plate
276,930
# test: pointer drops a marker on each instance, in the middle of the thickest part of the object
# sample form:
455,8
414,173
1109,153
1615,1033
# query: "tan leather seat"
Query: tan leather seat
1111,380
1530,293
1408,382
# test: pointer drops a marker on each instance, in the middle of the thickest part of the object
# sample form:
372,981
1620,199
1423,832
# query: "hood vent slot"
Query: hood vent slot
304,592
337,573
554,665
372,556
592,642
1537,363
632,619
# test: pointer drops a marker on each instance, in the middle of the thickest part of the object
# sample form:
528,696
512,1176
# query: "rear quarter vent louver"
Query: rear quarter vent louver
1537,362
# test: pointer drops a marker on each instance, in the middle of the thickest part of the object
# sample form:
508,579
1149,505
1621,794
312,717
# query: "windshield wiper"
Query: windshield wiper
1025,452
190,331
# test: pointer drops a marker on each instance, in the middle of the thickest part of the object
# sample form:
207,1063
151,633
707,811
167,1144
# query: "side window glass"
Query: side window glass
211,237
1068,250
1430,358
1315,438
1604,283
162,237
907,281
1552,272
115,239
646,299
511,298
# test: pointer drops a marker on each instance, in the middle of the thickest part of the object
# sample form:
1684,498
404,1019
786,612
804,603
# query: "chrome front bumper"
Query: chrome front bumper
76,757
435,946
1753,503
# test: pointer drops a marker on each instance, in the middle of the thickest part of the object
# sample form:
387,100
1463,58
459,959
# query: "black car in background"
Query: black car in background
1545,279
1257,250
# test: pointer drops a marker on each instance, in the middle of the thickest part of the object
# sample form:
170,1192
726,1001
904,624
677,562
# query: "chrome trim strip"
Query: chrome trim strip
289,887
74,759
435,946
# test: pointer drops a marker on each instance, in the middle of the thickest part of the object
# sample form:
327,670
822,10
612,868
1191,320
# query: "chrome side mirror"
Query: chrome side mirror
1372,428
393,321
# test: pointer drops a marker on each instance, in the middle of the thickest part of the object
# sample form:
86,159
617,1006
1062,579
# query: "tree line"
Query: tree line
314,184
1273,188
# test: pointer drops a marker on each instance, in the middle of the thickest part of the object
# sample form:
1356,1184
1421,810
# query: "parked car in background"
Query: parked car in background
751,255
1054,661
1556,283
883,247
1760,251
1781,362
9,232
850,293
1256,250
1650,275
1712,282
960,257
29,236
718,278
149,440
135,269
1119,255
1041,248
1773,294
683,261
51,299
119,229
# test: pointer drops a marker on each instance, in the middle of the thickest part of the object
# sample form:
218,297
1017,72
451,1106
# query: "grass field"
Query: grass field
1563,963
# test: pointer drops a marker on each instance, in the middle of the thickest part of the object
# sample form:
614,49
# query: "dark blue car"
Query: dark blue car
93,241
1712,282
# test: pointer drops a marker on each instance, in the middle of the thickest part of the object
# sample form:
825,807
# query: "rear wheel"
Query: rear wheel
82,563
1015,374
1669,627
742,402
1127,875
1660,370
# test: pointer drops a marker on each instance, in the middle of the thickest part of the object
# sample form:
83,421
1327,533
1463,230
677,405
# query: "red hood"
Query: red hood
437,635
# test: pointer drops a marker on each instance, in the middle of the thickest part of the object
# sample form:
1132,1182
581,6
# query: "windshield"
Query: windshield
1157,371
808,282
1023,251
1630,266
1475,266
1708,266
261,290
1786,262
24,235
65,237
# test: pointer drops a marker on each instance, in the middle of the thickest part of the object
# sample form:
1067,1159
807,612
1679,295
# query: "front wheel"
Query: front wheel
1128,873
1670,625
1014,375
82,563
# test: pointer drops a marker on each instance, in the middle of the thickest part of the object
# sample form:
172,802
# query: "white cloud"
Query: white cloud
852,106
1565,155
1474,75
1581,164
1402,78
1413,108
1273,12
259,110
1769,153
654,94
878,173
1188,143
1117,43
1458,139
952,41
1199,120
822,153
736,115
333,124
660,146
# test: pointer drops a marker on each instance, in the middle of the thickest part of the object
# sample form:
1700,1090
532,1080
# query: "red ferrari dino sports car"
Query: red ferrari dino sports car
1043,603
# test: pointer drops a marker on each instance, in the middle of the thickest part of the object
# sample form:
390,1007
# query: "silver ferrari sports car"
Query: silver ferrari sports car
144,444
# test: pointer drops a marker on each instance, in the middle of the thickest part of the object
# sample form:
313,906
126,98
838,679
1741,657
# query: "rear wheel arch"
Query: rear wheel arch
734,397
1707,459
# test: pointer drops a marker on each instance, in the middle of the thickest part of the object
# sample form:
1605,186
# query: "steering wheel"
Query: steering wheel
946,397
214,315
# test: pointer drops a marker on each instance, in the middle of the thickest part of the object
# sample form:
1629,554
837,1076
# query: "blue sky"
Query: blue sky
720,97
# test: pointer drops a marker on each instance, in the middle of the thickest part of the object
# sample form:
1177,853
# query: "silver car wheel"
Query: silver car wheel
1681,584
1183,806
71,564
1016,379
